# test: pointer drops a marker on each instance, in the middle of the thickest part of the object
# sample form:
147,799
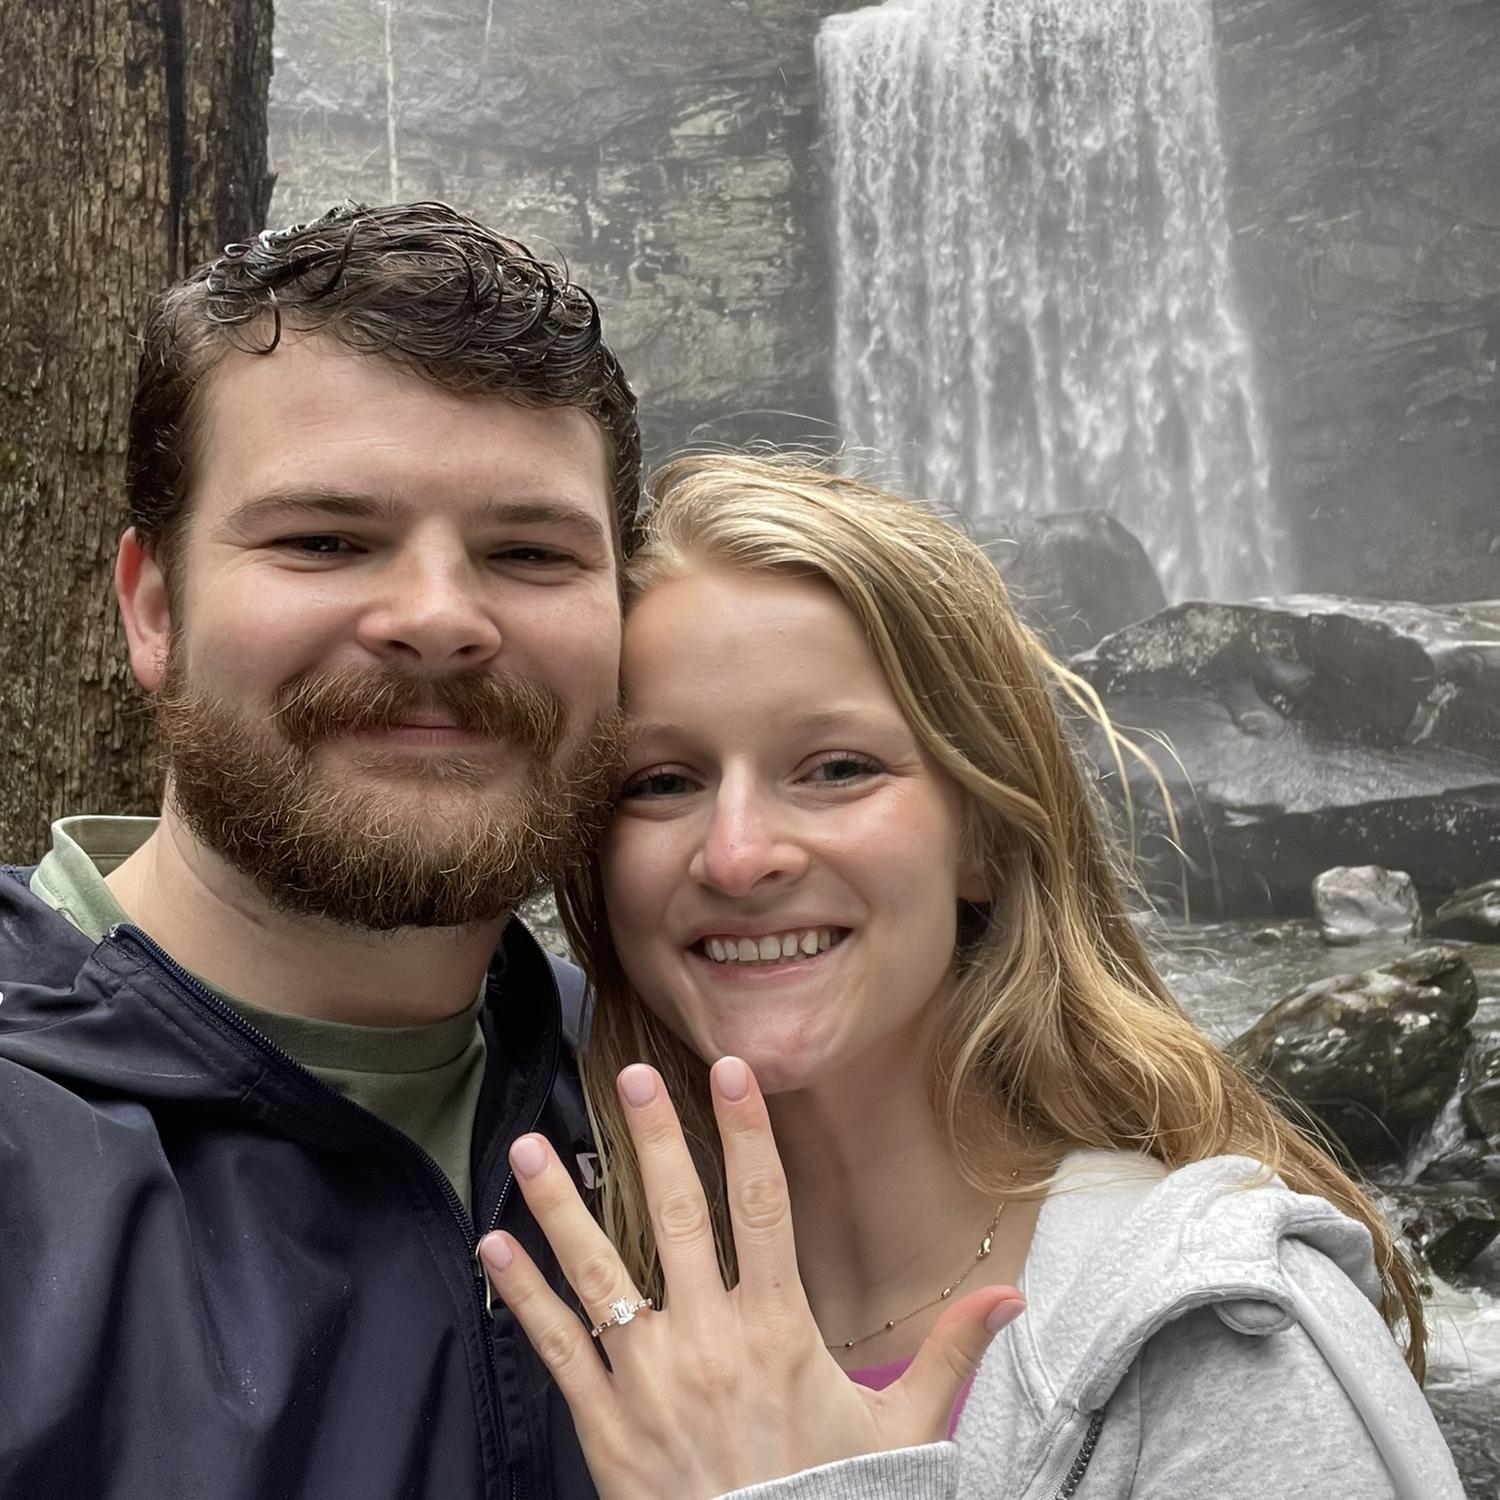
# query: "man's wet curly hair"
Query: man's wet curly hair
419,284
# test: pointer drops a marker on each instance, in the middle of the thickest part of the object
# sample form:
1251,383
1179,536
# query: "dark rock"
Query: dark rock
1310,731
1075,576
1354,903
1448,1226
1479,1091
1374,1056
1466,1161
1472,914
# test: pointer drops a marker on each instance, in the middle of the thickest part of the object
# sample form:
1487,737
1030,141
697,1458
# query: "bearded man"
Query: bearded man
261,1059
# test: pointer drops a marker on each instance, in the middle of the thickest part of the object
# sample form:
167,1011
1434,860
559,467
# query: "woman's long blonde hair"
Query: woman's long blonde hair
1059,1032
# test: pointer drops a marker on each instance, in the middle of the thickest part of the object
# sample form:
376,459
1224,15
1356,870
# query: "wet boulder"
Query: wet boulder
1074,576
1472,914
1448,1226
1307,732
1354,903
1467,1162
1373,1056
1479,1092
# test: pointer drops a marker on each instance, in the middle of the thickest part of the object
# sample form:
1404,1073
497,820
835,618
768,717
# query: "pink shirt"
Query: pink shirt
877,1377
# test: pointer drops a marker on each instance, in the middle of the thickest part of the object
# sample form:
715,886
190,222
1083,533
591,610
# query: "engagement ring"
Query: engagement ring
621,1313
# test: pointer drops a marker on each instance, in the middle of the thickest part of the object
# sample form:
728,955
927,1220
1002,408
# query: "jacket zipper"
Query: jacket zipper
484,1293
456,1208
1074,1477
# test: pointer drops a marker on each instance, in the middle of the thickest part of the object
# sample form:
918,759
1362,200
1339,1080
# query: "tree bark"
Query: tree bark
134,147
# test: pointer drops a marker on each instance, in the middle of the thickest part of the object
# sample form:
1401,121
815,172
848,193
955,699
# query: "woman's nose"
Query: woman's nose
748,842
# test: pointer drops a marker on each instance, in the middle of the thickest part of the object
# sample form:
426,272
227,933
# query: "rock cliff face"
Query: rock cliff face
670,150
1363,138
666,149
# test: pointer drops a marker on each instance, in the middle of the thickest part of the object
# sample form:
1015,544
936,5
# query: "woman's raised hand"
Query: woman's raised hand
717,1390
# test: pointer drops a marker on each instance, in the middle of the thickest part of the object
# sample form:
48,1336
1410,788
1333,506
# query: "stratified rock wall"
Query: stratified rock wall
666,149
1363,139
670,149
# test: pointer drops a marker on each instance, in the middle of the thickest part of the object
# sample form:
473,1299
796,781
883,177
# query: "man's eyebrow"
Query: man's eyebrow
315,501
544,510
303,500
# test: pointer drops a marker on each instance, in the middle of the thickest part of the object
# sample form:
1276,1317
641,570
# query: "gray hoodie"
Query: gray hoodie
1203,1334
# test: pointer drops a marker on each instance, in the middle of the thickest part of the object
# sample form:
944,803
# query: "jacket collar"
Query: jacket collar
121,1018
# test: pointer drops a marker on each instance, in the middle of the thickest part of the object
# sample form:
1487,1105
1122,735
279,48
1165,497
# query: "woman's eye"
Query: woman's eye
840,768
649,784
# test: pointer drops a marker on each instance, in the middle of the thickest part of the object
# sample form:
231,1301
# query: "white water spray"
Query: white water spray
1034,294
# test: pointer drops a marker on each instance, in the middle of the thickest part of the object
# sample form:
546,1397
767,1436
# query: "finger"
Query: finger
949,1356
560,1340
591,1264
759,1206
674,1195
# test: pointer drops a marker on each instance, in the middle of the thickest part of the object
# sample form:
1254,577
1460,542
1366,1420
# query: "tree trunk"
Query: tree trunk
134,147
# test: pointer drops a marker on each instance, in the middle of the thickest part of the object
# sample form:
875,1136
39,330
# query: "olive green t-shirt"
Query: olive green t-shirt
424,1080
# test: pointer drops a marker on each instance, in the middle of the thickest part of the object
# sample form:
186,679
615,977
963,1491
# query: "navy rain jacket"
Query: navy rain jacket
220,1280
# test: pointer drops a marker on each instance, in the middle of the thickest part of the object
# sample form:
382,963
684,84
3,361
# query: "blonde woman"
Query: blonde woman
856,919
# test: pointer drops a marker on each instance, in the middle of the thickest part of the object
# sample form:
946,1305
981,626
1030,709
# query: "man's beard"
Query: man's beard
367,849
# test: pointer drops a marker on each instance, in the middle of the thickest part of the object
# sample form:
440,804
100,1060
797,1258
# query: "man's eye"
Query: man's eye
318,545
649,784
534,557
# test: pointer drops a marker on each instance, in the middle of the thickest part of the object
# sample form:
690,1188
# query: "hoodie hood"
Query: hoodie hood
1123,1247
1208,1234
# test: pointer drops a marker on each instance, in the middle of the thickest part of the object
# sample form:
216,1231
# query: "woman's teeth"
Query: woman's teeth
777,948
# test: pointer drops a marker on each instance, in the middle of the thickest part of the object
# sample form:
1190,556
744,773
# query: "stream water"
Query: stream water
1227,974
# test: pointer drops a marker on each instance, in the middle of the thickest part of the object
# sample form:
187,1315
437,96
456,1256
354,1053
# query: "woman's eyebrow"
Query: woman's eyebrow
812,721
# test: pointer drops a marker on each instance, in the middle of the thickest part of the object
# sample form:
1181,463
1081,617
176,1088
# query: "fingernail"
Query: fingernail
528,1156
1003,1315
497,1252
638,1084
732,1078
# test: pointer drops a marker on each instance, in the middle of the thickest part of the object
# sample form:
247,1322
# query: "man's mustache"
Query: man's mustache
316,706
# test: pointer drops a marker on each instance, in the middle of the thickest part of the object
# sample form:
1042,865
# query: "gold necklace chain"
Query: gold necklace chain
982,1253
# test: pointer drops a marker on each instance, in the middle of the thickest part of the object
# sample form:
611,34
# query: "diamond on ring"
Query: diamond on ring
621,1312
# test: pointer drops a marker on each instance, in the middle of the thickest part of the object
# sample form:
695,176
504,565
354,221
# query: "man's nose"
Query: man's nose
432,610
750,842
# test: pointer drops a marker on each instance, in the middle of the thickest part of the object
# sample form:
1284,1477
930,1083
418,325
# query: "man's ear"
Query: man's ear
141,588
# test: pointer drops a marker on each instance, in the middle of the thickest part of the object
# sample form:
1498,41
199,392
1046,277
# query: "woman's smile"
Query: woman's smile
777,959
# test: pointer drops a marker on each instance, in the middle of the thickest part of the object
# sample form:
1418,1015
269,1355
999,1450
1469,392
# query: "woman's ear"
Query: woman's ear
146,609
973,876
973,883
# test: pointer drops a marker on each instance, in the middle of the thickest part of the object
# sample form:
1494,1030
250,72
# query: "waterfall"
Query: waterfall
1034,305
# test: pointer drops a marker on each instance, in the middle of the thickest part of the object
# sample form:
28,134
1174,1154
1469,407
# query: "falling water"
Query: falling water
1034,292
